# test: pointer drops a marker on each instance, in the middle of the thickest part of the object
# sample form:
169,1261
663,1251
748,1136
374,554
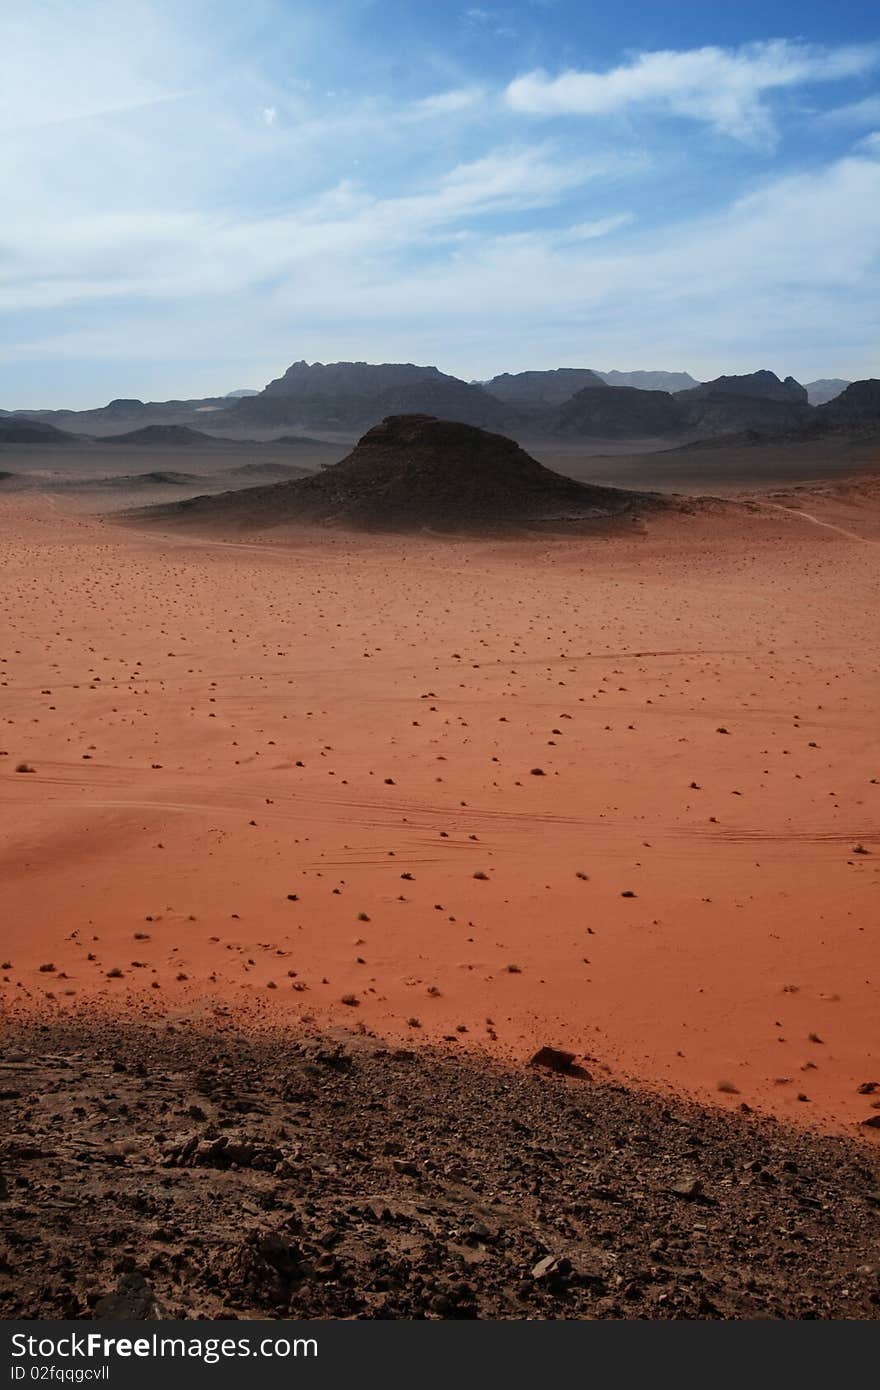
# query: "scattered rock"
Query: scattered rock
132,1300
687,1188
556,1059
375,1181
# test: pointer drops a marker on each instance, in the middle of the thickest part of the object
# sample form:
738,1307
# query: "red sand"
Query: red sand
164,691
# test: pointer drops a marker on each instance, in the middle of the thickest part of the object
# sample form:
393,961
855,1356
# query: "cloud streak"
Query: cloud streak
750,279
724,88
277,212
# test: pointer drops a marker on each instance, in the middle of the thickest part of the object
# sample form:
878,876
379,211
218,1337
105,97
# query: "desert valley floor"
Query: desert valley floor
620,795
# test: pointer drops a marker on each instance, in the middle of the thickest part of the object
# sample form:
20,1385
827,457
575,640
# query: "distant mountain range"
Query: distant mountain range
567,403
561,383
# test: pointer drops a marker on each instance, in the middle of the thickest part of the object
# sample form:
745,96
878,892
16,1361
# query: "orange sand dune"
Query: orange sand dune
275,777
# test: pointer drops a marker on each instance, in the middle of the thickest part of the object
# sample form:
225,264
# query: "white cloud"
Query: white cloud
601,226
94,255
270,115
448,103
725,88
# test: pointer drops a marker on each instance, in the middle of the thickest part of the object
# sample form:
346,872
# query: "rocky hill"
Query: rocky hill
860,401
17,430
310,379
757,400
413,472
161,436
343,409
762,385
619,412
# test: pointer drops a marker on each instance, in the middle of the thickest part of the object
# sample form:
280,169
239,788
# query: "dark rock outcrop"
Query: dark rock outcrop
761,385
310,379
620,412
413,472
758,400
162,435
860,401
721,413
355,395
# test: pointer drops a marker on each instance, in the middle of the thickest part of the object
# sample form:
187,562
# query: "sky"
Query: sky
196,195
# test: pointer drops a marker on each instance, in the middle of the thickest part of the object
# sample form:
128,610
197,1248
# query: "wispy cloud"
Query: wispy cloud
725,88
184,254
601,226
854,114
448,103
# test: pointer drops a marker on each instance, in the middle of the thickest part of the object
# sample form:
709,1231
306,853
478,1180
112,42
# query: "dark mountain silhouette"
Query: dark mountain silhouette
726,413
758,400
163,435
389,389
825,389
296,441
345,379
131,413
17,430
852,416
650,381
728,405
354,395
415,471
762,385
349,397
540,388
445,397
619,412
123,408
860,401
134,482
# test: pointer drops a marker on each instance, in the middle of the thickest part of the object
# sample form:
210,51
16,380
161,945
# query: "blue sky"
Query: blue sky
197,194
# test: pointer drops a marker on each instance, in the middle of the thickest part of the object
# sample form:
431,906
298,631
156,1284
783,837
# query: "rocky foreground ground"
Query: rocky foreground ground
169,1173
